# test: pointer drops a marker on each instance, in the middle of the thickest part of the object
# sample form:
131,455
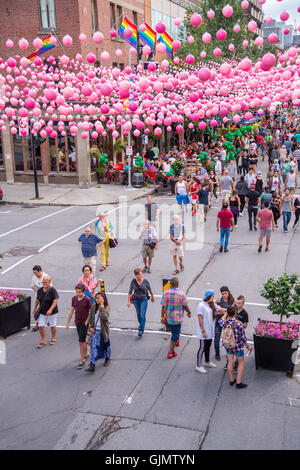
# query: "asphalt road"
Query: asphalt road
143,400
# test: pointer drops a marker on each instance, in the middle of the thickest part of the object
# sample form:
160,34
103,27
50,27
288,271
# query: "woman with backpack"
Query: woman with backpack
225,300
234,340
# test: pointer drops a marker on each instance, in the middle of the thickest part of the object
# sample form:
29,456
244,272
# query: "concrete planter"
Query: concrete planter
274,353
15,317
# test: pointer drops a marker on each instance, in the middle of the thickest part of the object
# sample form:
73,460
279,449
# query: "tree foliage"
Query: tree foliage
211,26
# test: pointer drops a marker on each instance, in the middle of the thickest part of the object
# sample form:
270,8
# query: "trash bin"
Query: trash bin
138,180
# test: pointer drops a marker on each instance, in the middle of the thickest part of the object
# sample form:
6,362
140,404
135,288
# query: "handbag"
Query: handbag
113,242
89,337
37,314
152,245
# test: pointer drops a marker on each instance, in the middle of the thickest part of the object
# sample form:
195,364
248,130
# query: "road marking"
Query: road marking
125,294
15,265
35,221
73,231
5,212
134,330
55,241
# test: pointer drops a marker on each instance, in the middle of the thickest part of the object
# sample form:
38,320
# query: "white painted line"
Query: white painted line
73,231
35,221
5,212
17,264
134,330
125,294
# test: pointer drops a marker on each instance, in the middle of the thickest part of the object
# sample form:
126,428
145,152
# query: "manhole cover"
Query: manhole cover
22,251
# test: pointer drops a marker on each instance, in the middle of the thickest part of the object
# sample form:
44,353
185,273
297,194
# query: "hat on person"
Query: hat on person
208,293
224,289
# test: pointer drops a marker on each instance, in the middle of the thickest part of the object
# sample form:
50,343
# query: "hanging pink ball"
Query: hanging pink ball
29,103
160,27
177,21
115,134
161,48
105,56
259,41
204,74
196,19
298,9
236,118
67,40
272,38
50,94
225,69
94,135
261,2
245,64
91,58
245,43
227,11
143,27
217,52
53,40
269,19
119,52
82,37
176,44
23,44
284,16
98,37
202,125
191,39
190,59
206,38
9,43
113,33
11,62
221,35
210,14
37,43
248,116
151,66
157,131
84,135
231,47
213,123
236,28
165,64
146,50
286,31
23,132
128,32
252,26
268,61
203,54
244,4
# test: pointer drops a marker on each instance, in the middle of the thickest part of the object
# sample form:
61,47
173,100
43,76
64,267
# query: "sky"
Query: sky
274,8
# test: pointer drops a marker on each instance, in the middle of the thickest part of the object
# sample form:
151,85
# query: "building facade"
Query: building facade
255,12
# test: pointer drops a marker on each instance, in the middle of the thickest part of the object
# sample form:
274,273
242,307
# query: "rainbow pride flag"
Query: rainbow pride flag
148,37
168,41
45,47
125,24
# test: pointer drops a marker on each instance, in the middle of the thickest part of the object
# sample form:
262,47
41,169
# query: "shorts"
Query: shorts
182,199
225,194
175,332
45,319
82,332
194,197
176,250
265,232
239,354
147,252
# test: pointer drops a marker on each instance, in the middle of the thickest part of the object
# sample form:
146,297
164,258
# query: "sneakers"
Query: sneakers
140,334
171,355
90,368
81,365
201,370
178,344
221,249
210,364
259,248
241,385
148,270
232,383
217,357
226,251
145,269
106,362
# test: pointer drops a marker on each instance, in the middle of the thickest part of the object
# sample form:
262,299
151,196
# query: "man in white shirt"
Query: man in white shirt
218,167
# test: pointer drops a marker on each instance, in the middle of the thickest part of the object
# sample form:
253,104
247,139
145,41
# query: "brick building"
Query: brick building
38,18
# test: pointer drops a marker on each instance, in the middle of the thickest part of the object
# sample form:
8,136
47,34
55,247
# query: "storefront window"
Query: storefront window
62,153
1,152
52,154
72,152
18,152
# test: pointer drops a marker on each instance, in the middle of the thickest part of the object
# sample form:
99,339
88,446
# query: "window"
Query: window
135,18
47,15
62,153
18,152
112,16
119,16
1,152
94,16
121,66
114,64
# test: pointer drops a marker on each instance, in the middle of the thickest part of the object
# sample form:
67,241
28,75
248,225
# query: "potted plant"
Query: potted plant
177,168
276,342
102,166
15,310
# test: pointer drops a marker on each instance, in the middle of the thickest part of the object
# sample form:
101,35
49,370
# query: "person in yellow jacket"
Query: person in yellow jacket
103,229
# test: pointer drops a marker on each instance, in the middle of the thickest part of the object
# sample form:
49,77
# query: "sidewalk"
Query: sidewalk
66,195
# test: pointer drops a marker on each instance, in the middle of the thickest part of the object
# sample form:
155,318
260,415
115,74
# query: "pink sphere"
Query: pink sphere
252,25
245,64
82,37
245,4
105,56
259,41
67,40
217,52
221,34
161,48
286,31
53,40
191,39
119,52
248,116
143,27
269,19
268,61
203,54
190,59
231,47
196,19
98,37
128,32
157,131
146,50
245,43
9,43
91,58
225,69
177,21
113,33
206,38
236,28
37,43
202,125
213,123
160,27
29,103
23,44
227,11
151,66
284,16
210,14
176,44
272,38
